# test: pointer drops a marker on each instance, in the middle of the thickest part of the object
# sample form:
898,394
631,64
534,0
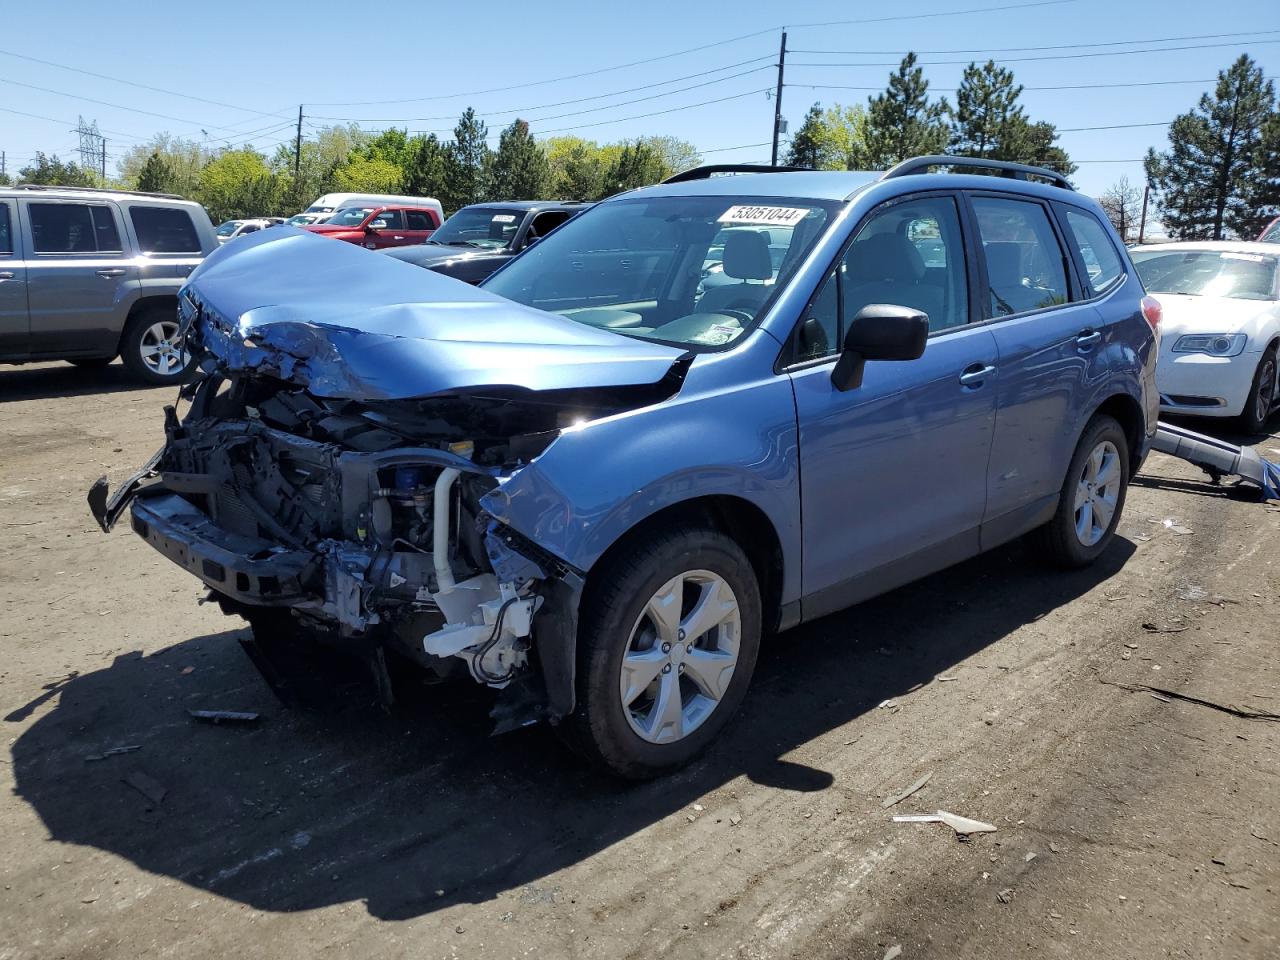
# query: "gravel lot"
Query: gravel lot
1130,824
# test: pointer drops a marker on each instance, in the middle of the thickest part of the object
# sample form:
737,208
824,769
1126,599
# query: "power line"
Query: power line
1060,46
1069,86
705,46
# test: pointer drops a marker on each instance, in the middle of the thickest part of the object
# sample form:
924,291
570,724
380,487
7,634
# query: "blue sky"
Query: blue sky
238,71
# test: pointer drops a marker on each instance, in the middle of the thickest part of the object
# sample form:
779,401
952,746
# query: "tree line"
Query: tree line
1219,177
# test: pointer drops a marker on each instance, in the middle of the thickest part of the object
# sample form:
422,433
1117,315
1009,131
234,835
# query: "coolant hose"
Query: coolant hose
440,531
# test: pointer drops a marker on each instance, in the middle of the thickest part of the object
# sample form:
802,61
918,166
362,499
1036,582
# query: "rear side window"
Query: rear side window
6,231
1025,266
164,230
418,220
73,228
1101,262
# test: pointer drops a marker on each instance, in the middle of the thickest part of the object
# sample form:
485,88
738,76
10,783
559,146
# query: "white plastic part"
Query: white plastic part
440,521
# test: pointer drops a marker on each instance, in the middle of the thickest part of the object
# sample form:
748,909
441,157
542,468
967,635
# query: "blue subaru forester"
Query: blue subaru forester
696,414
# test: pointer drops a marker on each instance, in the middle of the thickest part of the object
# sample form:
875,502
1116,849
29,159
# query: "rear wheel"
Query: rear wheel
151,348
1092,496
1262,395
667,644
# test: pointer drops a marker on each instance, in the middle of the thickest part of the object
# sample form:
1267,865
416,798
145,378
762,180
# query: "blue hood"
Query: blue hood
349,323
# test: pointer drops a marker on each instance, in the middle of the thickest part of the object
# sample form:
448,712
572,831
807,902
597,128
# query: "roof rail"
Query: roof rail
136,193
705,173
1019,171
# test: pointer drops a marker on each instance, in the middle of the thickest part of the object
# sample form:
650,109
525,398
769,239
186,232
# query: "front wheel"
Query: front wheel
1092,496
667,644
1262,395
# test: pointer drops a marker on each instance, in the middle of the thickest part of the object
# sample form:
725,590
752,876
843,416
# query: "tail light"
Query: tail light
1152,312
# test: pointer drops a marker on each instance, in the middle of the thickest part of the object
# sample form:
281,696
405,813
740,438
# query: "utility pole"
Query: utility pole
297,147
777,99
104,161
1142,225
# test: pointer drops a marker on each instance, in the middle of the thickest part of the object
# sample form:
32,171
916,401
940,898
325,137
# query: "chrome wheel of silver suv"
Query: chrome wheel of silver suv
1097,493
161,349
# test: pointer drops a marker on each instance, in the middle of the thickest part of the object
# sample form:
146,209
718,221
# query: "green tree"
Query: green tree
903,122
156,175
361,174
805,149
51,171
465,161
424,167
1263,191
633,165
392,145
676,154
988,121
1212,180
576,168
239,184
830,139
518,170
184,158
318,163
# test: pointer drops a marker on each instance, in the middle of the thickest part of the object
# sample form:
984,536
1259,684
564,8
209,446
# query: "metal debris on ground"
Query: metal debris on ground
149,787
1005,895
893,952
1218,458
898,798
223,716
1164,627
963,826
1243,713
113,752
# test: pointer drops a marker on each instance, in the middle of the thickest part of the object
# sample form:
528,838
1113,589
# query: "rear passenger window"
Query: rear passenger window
6,231
73,228
1025,266
164,230
1101,262
911,255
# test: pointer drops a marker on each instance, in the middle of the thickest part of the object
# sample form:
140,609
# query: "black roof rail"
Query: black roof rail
56,187
1019,171
705,173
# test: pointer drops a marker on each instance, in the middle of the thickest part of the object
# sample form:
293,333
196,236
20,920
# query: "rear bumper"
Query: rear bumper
246,569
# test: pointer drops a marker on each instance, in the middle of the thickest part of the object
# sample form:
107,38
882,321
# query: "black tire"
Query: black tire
1058,539
1262,395
91,363
599,729
132,343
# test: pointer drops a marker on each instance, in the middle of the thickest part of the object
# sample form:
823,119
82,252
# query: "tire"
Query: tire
91,363
1262,395
148,349
1065,540
696,567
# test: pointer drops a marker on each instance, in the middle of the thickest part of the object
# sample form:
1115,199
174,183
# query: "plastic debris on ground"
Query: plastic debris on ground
898,798
963,826
223,716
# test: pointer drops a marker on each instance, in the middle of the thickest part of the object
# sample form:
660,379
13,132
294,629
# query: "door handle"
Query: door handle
1088,338
7,274
109,273
975,374
397,238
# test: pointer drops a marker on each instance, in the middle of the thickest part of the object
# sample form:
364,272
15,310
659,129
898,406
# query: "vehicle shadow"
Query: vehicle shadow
47,380
420,810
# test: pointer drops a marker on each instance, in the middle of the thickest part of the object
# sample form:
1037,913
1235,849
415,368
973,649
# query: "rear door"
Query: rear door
418,226
168,243
1052,344
15,323
79,280
894,472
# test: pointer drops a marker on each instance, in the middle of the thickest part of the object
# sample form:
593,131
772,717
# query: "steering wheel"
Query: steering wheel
744,317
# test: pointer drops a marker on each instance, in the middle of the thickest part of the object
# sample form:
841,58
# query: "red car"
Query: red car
379,227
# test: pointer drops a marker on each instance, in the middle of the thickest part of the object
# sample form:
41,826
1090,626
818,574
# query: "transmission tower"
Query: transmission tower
93,147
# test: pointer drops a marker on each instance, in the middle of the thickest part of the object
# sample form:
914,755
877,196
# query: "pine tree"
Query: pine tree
465,161
1214,178
519,169
51,171
902,122
637,165
424,171
156,175
988,121
805,150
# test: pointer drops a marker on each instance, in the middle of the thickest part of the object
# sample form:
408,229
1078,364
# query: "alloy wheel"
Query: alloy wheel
1097,493
680,656
1266,389
161,349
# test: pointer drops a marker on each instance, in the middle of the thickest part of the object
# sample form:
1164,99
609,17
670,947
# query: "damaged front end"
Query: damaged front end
298,481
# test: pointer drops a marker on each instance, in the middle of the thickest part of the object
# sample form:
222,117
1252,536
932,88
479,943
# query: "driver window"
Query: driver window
391,220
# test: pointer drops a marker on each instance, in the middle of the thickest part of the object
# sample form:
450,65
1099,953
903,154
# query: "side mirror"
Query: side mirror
376,226
529,241
879,331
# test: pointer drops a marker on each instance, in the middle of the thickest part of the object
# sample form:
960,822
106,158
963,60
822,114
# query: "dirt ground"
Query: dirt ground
1131,824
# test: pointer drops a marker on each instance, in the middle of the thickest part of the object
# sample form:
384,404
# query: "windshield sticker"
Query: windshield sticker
773,216
717,334
1251,257
503,218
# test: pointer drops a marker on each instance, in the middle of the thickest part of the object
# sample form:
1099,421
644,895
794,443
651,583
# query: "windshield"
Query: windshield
350,217
300,219
1272,234
690,271
475,227
1208,273
228,228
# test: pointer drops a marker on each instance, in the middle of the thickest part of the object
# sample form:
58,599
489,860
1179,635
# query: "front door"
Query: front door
15,323
893,472
386,229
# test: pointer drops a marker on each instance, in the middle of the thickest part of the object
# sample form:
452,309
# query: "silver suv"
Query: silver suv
87,275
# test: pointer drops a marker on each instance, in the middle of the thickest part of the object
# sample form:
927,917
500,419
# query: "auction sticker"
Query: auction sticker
503,218
770,216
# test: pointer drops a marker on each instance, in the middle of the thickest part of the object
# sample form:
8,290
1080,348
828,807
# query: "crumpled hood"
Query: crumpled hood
350,323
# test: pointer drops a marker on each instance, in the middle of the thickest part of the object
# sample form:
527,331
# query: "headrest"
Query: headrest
885,256
1004,262
746,256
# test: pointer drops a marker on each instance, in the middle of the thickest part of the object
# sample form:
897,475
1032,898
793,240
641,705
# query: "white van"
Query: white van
331,203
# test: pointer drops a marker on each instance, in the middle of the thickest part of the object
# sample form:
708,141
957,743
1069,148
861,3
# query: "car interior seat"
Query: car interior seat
887,268
746,259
